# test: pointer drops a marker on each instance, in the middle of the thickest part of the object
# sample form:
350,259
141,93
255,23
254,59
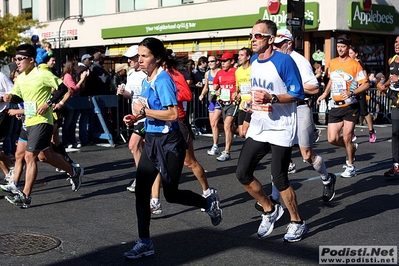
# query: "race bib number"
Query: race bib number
337,88
29,109
135,90
225,95
245,89
211,90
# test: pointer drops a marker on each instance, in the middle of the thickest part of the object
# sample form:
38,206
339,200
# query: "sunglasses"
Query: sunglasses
21,58
211,61
259,36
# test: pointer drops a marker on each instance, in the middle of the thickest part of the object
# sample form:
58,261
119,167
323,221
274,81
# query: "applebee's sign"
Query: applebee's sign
380,17
273,6
366,5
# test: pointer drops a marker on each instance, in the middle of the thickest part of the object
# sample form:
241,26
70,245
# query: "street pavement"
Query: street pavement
97,224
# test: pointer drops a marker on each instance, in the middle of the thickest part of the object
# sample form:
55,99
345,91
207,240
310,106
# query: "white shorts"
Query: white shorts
305,126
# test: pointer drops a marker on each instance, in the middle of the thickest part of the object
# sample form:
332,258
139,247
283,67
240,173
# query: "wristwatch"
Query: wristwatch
274,99
142,111
49,103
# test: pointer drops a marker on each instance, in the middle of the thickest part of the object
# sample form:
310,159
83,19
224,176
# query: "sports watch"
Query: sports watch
142,111
274,99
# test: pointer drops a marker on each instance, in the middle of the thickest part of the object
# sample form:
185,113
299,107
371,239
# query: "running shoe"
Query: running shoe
225,156
372,136
268,220
329,189
317,134
132,187
354,138
9,178
140,250
214,210
295,232
292,168
214,150
259,206
356,145
76,180
19,200
211,191
10,187
156,208
350,171
393,171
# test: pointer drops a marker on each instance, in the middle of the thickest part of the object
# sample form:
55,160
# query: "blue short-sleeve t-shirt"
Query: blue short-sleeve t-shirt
158,94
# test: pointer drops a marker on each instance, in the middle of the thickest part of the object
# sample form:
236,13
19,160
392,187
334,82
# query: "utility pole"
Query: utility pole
295,22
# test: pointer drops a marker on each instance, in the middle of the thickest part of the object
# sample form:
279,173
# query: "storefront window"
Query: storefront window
93,7
371,52
30,6
175,2
131,5
59,9
6,7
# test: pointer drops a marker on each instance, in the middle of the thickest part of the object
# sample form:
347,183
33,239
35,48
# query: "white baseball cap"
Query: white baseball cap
132,51
283,35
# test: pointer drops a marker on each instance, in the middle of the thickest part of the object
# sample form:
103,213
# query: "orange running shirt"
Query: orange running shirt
346,75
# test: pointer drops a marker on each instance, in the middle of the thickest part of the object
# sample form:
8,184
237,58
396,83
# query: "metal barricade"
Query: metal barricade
379,105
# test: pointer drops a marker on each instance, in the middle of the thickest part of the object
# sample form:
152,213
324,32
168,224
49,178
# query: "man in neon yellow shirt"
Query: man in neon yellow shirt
243,87
33,87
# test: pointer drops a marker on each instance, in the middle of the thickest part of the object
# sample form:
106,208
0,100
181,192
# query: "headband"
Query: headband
24,53
344,41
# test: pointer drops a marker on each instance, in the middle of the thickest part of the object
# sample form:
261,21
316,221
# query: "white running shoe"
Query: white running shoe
292,168
350,171
295,232
10,187
132,187
268,220
214,150
223,157
156,208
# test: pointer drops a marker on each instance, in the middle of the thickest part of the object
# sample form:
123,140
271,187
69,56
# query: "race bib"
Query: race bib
135,90
245,89
225,95
29,109
211,90
337,88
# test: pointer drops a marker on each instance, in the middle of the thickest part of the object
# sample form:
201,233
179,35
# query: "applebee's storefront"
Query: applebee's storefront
373,32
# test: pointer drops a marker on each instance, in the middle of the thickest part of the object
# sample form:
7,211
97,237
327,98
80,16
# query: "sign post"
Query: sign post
295,22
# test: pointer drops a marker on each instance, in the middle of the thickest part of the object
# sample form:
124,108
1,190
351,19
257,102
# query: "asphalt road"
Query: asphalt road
97,224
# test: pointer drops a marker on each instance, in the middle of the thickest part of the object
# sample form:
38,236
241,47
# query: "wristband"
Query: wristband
61,102
352,94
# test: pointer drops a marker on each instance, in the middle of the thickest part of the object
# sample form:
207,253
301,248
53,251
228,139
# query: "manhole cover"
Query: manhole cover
26,244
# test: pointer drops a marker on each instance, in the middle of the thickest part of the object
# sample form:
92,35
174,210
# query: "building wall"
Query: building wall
332,17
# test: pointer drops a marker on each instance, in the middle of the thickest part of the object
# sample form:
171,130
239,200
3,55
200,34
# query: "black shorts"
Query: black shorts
139,129
243,116
39,137
229,110
347,113
186,130
363,104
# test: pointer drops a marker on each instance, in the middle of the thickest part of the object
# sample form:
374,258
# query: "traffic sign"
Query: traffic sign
294,22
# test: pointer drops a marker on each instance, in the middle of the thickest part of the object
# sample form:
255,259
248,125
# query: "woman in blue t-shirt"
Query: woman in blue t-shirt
164,149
